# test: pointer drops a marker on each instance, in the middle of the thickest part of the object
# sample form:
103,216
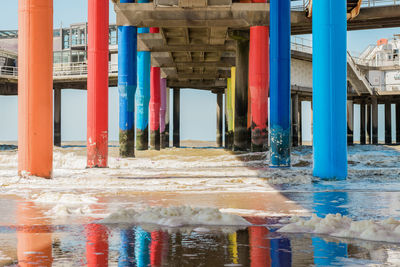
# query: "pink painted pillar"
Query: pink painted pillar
163,111
97,84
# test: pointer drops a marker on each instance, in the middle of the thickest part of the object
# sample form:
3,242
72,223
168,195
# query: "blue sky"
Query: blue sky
199,125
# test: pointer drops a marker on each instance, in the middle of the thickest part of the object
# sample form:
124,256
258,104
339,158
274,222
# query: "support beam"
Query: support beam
127,81
369,124
330,88
241,98
35,86
258,87
397,123
388,123
142,97
350,122
163,111
155,104
280,83
97,84
374,120
176,111
295,121
220,114
57,117
363,140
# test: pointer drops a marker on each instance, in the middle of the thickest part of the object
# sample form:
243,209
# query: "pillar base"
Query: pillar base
280,151
162,140
259,140
127,143
155,140
142,139
241,134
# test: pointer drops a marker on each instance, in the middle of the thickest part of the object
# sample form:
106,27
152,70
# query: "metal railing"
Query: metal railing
302,5
301,44
59,70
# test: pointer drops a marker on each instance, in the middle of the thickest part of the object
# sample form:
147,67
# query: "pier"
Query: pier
235,49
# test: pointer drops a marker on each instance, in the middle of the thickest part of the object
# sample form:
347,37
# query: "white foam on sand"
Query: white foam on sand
63,198
193,171
176,217
337,225
65,204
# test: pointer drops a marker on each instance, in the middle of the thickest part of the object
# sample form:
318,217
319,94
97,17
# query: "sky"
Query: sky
198,125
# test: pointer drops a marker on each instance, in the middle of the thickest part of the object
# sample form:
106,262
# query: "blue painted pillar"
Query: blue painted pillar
330,89
280,82
143,95
127,46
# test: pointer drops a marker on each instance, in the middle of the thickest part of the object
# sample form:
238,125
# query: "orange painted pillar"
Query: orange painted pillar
96,245
35,87
34,237
97,84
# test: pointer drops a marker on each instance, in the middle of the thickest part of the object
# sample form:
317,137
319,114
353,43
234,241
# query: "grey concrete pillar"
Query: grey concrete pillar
219,119
57,117
241,138
176,111
362,123
398,123
350,122
167,120
295,120
388,122
369,124
374,120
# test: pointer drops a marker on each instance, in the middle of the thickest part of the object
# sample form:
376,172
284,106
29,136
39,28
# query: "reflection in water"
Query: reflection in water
257,245
327,253
233,248
127,249
96,245
281,252
34,237
142,247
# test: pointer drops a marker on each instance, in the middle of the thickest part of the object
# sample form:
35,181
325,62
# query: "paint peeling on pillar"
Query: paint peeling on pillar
280,147
280,83
127,82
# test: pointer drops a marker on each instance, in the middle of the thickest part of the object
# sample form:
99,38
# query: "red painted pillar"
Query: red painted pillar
259,245
96,245
97,84
35,87
155,103
259,86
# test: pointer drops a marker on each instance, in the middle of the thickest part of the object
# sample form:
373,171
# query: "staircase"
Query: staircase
357,79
